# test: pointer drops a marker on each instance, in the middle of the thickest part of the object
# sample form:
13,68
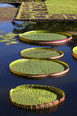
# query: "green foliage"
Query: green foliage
42,36
32,95
33,66
39,53
75,49
8,38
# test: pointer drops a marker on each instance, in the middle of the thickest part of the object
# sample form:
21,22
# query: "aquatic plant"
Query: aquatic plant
38,69
45,37
74,52
8,38
42,53
36,96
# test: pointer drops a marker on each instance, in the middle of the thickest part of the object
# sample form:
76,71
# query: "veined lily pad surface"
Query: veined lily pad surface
38,68
36,96
45,37
74,52
42,53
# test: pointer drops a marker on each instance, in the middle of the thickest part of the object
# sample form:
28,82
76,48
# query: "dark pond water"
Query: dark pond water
9,53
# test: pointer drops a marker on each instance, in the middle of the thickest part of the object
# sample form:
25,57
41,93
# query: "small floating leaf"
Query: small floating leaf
11,35
8,38
13,42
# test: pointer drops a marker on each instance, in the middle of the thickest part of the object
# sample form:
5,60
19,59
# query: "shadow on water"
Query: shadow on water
51,26
41,111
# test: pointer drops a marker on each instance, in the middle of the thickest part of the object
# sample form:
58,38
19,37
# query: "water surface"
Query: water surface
9,53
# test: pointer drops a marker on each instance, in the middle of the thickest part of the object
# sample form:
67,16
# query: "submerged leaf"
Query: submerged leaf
11,35
8,38
13,42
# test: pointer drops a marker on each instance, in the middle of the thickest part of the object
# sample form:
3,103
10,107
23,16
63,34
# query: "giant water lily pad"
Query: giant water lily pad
42,53
38,69
36,96
74,52
45,37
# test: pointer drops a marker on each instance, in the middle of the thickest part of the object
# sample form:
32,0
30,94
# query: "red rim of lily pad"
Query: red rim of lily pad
60,97
61,54
53,42
40,76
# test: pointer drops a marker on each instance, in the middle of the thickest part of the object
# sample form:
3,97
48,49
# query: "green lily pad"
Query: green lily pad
10,35
42,53
44,37
75,49
74,52
38,68
36,96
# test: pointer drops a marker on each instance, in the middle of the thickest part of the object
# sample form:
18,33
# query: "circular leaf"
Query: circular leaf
42,53
36,96
44,37
38,69
74,52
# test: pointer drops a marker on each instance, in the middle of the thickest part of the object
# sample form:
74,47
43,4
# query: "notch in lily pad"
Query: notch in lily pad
39,69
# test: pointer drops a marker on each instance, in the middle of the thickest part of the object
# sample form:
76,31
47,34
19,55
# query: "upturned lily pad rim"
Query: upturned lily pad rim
53,42
54,57
41,76
74,53
57,91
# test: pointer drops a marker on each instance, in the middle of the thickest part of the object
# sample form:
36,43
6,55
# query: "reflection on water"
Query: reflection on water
6,5
42,111
51,26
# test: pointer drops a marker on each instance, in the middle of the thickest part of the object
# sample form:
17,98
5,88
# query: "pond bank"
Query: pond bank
34,11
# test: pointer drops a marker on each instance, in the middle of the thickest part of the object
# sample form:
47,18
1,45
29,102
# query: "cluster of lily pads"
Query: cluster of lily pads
8,38
38,63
